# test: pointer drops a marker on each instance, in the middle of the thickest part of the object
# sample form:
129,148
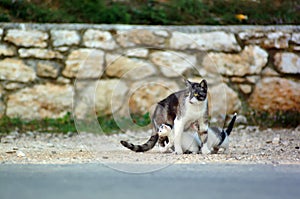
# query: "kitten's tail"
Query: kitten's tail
231,124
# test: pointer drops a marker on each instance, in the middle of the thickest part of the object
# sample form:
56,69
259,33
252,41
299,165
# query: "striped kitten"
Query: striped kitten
180,110
218,138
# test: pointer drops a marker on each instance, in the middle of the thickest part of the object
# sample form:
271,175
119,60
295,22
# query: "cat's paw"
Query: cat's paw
178,152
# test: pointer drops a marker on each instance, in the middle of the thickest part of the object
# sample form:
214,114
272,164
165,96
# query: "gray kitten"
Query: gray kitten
180,110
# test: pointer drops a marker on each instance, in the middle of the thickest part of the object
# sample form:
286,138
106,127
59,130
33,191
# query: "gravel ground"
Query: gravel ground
249,145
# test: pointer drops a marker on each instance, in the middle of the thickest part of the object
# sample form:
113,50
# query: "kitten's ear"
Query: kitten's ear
188,84
203,84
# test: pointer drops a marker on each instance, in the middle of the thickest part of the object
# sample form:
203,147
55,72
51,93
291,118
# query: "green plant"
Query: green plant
67,124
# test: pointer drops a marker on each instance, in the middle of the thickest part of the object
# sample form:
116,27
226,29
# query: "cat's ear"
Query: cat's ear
188,84
203,84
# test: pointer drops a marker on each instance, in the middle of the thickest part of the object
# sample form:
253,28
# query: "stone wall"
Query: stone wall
47,70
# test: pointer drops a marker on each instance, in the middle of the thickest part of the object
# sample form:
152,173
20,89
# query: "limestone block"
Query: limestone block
40,101
245,88
101,97
279,40
296,37
84,63
27,38
173,64
288,63
248,62
7,50
139,37
99,39
13,85
64,37
216,41
146,94
276,94
137,52
128,68
223,100
16,70
267,71
48,69
63,80
39,53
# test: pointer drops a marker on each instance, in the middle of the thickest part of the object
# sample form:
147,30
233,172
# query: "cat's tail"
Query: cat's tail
231,124
143,147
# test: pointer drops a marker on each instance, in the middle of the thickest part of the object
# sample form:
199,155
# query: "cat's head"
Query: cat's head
164,130
197,91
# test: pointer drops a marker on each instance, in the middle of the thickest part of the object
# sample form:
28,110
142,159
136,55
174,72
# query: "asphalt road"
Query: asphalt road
86,181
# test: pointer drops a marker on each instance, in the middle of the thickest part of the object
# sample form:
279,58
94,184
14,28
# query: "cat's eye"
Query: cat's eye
195,94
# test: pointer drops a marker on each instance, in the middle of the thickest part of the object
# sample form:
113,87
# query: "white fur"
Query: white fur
194,110
189,141
212,143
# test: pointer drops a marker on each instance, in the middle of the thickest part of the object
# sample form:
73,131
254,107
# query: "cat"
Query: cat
218,138
179,109
190,142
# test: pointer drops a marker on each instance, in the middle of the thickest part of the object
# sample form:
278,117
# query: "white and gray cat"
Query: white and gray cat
190,142
180,110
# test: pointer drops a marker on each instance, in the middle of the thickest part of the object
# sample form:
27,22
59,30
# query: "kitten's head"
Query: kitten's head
197,91
164,130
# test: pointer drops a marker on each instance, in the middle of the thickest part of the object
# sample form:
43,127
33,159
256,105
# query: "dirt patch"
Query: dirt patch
247,145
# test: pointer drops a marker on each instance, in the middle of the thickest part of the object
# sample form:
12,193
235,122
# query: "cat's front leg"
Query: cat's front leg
178,129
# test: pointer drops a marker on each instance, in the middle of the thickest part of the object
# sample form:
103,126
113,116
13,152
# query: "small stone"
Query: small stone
6,50
27,38
39,53
47,69
139,37
162,33
245,88
276,139
99,39
13,86
53,152
104,157
15,148
64,37
296,38
50,144
288,63
20,154
269,72
63,80
137,52
16,70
